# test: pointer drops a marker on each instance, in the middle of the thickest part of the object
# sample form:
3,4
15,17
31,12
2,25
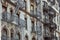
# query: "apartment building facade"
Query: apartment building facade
51,9
28,19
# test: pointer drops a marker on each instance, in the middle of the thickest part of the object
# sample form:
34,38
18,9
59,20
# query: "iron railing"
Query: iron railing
46,20
45,5
13,19
39,30
47,33
53,26
37,15
7,17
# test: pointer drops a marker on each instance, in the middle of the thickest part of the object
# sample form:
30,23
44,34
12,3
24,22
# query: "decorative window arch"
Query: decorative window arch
18,36
4,34
33,38
26,37
12,34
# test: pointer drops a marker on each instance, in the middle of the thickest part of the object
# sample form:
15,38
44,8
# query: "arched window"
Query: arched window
26,37
4,34
33,38
17,36
12,36
25,4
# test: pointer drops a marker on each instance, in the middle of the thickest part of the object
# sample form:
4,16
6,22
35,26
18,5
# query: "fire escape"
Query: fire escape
49,25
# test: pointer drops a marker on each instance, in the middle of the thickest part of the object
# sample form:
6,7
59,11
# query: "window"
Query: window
26,37
11,14
4,34
11,11
58,28
4,14
57,18
18,14
18,18
12,35
33,38
25,4
26,22
46,18
32,25
17,36
32,9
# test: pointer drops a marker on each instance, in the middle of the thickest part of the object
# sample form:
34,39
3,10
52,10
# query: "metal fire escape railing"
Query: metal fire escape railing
51,13
47,32
45,6
52,4
38,29
46,18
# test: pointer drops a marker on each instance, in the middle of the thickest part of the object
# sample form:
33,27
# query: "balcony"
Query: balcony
53,26
46,21
22,23
45,6
46,32
54,37
7,17
39,30
19,3
47,35
18,21
51,13
37,15
33,29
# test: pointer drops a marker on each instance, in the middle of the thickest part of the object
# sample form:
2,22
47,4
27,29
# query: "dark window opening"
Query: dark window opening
33,26
33,38
26,22
12,35
4,34
26,37
11,11
25,5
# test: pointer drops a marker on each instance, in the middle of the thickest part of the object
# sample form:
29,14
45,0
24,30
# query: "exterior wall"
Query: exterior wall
0,17
22,30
